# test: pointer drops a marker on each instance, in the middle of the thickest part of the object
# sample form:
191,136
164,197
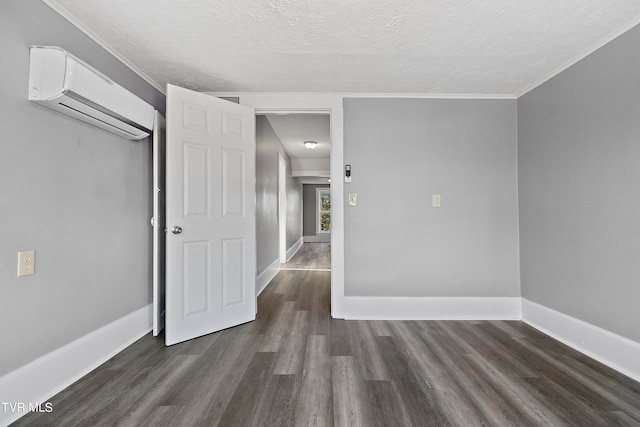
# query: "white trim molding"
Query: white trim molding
267,276
615,351
395,95
294,249
48,375
432,308
106,46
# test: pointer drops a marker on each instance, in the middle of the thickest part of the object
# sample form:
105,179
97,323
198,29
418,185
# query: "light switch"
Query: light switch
353,199
435,200
26,263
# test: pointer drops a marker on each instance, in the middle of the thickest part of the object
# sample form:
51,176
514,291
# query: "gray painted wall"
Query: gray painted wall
579,174
78,196
294,208
404,150
267,148
310,208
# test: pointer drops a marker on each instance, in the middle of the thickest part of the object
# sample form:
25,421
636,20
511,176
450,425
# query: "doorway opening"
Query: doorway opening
303,144
330,105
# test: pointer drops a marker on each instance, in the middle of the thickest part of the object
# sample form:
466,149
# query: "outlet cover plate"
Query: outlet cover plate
26,263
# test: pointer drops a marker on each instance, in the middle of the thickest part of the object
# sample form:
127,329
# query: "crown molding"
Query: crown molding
66,15
365,95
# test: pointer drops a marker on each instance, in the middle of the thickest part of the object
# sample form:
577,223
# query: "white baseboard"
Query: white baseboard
48,375
431,308
267,276
615,351
293,249
322,238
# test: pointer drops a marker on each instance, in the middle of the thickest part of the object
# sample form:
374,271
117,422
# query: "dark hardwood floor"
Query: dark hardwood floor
295,366
311,256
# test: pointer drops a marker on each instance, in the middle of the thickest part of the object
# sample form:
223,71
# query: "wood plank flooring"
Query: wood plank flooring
311,256
295,366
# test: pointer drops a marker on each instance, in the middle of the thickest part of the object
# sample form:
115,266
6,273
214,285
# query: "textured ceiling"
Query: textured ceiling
438,47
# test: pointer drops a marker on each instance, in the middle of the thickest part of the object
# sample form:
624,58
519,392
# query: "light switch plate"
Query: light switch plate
435,200
26,263
353,199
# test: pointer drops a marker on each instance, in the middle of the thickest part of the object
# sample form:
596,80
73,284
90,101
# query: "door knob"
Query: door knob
176,229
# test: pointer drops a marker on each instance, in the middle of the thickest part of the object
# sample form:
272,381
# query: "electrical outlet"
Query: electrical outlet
435,201
353,199
26,263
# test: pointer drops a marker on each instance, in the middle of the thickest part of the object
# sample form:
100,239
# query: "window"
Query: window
324,210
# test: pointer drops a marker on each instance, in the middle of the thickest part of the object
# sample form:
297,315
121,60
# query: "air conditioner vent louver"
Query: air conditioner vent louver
60,81
88,117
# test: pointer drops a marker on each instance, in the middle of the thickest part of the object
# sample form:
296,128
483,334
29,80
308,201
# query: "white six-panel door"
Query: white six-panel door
211,249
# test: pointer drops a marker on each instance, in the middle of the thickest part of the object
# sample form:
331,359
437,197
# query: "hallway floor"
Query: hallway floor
310,256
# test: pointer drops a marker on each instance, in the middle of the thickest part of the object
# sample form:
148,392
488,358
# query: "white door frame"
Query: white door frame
158,222
314,104
282,207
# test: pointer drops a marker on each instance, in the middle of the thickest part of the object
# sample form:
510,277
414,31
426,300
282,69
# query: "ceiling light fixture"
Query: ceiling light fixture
310,144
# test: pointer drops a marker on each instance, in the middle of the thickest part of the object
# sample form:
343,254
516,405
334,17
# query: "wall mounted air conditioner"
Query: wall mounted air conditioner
60,81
